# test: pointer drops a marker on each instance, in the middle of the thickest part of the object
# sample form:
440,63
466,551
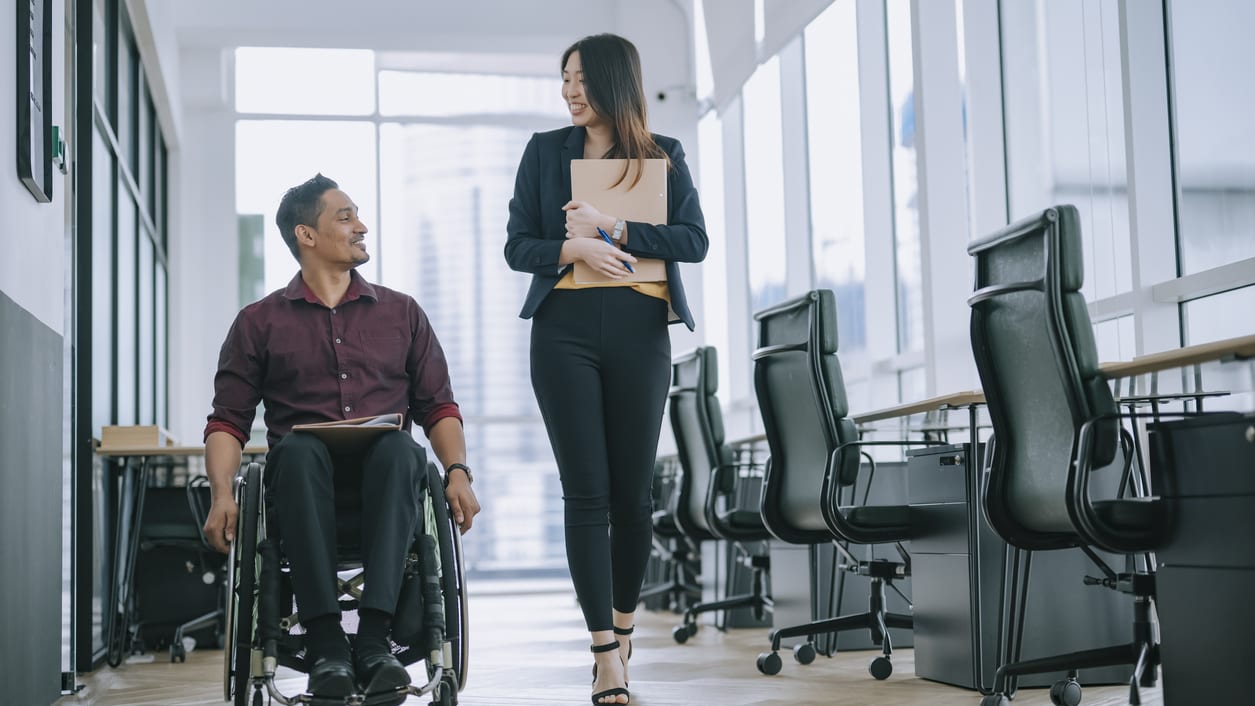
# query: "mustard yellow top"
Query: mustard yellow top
658,290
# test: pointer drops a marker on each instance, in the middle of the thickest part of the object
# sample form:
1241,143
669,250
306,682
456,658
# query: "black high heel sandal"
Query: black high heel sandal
619,631
596,698
625,632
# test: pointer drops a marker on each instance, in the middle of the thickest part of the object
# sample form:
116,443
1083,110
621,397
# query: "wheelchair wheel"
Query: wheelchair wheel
242,600
453,580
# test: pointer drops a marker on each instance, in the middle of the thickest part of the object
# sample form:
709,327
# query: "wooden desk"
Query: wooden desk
954,400
1241,348
166,451
134,469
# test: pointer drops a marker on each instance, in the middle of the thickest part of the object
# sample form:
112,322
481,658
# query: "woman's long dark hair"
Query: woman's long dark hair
612,82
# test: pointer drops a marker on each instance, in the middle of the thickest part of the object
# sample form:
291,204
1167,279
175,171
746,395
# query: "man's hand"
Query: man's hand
220,525
461,500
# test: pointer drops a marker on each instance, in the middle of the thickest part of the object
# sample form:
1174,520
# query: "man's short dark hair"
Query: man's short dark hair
301,205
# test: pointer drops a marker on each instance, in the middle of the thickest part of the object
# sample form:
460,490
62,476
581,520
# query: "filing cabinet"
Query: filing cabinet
957,564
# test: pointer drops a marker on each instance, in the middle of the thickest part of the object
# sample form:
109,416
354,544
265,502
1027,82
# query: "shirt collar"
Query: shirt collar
358,287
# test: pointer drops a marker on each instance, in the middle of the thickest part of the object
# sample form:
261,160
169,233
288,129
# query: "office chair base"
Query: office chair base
769,663
1065,692
995,700
880,668
804,653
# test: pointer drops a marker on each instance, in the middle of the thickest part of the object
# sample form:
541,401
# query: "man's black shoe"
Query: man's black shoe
332,677
377,668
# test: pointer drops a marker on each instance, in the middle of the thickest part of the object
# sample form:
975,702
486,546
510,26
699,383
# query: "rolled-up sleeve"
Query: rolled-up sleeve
431,393
237,384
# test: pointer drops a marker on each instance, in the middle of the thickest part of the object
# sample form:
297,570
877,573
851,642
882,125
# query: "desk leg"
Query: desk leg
126,547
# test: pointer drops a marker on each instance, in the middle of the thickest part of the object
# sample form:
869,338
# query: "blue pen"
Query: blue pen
606,237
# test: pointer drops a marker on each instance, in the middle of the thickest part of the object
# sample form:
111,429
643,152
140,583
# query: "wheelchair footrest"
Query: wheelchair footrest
389,698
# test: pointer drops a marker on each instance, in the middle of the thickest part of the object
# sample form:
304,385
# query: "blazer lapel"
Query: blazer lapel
573,148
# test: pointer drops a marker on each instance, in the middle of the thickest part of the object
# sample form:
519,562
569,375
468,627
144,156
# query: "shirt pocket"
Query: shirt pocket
384,350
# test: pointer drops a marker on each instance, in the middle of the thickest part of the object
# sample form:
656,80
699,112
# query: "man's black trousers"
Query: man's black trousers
377,494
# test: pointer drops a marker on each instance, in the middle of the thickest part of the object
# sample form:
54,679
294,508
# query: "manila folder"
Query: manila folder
351,435
592,180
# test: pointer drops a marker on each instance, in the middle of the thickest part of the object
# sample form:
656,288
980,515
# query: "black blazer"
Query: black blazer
537,225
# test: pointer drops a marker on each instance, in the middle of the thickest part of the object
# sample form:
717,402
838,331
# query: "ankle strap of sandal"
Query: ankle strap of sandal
624,631
604,648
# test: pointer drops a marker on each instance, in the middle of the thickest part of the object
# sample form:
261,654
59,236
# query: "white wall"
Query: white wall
33,237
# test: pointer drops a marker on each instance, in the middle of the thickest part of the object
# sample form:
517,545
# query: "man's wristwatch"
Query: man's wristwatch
617,234
458,466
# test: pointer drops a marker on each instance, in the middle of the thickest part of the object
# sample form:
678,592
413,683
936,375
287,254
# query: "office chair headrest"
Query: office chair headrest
1062,219
710,368
792,317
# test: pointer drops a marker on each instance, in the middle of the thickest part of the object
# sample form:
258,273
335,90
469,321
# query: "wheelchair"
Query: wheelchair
261,623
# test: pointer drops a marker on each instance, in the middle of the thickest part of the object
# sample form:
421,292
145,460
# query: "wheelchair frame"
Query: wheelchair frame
254,650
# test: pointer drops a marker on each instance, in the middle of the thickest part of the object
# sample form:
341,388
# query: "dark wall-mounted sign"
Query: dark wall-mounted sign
34,93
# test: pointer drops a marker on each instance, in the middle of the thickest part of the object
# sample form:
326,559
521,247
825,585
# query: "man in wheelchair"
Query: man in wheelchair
331,346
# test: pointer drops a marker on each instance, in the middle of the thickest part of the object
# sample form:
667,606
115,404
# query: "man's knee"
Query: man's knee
397,446
305,453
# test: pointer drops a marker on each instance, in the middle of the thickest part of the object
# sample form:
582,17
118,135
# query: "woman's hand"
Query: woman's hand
604,258
582,220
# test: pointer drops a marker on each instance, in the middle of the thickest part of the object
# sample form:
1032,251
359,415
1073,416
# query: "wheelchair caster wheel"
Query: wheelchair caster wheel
995,700
881,668
680,633
769,663
1065,692
804,653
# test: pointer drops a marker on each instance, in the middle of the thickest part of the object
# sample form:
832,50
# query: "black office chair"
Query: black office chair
815,456
1054,421
675,563
706,507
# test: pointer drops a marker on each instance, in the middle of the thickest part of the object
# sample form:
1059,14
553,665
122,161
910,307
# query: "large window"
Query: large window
834,142
1212,62
430,161
1065,126
764,185
910,305
121,331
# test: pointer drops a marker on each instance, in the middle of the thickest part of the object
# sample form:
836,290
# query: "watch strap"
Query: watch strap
458,466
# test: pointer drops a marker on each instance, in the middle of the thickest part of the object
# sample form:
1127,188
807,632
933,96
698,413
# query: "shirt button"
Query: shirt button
333,311
348,409
337,340
344,376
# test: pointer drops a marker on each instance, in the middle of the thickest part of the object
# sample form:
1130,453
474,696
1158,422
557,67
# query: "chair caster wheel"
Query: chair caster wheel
680,633
769,663
995,700
1065,692
804,653
177,653
881,668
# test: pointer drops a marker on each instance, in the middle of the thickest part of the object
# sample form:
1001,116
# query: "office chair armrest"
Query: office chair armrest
723,477
1086,519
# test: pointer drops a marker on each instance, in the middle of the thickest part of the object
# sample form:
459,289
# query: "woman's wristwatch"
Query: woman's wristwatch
458,466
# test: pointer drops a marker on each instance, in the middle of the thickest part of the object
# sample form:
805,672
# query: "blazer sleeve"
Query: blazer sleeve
683,239
526,248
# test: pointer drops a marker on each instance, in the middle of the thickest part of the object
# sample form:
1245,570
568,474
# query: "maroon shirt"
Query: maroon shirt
374,353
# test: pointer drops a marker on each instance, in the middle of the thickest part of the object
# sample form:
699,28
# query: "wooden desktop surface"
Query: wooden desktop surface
932,404
1241,348
171,451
